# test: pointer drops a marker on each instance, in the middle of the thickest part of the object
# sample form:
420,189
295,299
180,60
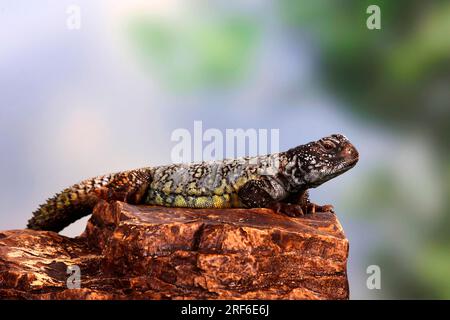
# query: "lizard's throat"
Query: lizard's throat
342,167
325,174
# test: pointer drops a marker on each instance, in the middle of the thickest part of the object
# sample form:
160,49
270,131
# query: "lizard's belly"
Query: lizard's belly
157,197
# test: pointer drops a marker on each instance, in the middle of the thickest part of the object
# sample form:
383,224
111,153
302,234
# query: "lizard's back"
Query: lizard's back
213,184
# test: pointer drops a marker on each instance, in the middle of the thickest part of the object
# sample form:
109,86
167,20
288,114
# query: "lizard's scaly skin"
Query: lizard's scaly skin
205,185
246,182
78,200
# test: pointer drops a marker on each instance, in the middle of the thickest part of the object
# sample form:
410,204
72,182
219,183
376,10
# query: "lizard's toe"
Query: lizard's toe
327,208
293,210
289,209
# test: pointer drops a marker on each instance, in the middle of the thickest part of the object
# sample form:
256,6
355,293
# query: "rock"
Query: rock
144,252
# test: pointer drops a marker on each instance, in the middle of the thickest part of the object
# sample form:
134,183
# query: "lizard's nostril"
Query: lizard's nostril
349,151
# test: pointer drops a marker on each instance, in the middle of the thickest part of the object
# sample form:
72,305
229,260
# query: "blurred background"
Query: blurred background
79,102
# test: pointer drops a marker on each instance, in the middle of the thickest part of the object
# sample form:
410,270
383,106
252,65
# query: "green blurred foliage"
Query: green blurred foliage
435,266
397,77
201,54
395,74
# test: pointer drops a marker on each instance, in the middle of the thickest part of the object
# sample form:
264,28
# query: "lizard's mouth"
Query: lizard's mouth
336,171
350,157
351,163
344,166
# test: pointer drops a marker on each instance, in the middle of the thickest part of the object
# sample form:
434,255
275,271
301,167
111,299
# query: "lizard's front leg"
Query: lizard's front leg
266,193
302,198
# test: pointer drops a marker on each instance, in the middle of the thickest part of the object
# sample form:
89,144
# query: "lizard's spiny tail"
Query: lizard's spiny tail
78,200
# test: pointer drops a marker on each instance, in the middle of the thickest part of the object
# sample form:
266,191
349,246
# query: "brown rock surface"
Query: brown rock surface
143,252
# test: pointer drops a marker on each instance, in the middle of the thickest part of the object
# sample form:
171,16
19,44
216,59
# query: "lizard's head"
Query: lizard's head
319,161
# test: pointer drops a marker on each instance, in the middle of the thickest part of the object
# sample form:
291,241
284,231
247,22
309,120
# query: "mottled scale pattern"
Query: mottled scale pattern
211,184
78,200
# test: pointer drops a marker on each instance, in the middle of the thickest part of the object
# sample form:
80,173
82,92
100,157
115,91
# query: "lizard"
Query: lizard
279,181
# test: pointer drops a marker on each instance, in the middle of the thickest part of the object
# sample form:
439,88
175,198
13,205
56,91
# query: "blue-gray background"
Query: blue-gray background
106,97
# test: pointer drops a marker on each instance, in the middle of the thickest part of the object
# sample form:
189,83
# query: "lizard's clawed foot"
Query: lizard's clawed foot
289,209
313,208
296,210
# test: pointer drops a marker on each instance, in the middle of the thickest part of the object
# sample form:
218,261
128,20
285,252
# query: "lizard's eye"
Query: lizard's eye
328,145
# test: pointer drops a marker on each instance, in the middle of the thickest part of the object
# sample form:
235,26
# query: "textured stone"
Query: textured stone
144,252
